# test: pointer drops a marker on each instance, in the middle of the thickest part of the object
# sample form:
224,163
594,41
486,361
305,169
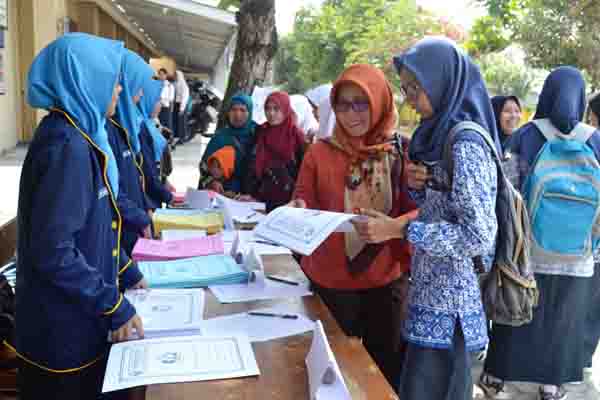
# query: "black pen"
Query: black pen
266,314
277,279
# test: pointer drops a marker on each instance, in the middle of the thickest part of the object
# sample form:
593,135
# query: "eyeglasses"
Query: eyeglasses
410,90
356,106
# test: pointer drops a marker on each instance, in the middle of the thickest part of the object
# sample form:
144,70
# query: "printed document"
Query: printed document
302,230
169,312
178,359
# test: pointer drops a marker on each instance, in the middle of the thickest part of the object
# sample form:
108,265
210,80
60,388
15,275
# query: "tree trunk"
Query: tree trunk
255,48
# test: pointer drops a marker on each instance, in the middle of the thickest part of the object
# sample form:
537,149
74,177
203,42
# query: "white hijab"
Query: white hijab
319,96
306,119
326,119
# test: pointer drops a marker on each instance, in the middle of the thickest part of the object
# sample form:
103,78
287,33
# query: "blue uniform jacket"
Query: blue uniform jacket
131,200
70,265
155,190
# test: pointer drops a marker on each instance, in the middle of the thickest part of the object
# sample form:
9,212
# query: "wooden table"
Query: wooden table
283,374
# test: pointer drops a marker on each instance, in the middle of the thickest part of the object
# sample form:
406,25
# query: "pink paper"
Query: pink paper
158,250
178,197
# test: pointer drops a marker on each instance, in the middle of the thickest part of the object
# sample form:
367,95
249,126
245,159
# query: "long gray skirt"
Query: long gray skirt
549,350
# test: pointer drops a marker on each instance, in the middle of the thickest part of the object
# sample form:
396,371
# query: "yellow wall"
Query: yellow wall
8,101
32,25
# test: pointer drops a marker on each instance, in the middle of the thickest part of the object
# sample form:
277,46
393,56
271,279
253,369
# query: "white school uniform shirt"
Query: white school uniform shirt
182,91
167,95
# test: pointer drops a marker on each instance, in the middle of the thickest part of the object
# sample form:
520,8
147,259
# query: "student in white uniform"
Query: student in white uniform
167,97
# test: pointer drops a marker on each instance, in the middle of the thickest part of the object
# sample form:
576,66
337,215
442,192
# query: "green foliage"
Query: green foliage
225,4
554,32
503,76
488,35
287,65
345,32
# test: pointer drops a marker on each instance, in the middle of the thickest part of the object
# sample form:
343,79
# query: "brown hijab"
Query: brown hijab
370,163
373,83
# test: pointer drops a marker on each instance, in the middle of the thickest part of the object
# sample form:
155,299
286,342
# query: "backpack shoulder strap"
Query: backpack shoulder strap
475,127
547,128
581,133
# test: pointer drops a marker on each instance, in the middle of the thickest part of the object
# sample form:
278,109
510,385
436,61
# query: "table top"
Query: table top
283,372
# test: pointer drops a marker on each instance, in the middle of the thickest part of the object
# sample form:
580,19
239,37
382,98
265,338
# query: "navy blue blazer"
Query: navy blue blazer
71,269
155,190
132,199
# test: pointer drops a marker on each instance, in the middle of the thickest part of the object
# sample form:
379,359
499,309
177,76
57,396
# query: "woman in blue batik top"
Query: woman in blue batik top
446,320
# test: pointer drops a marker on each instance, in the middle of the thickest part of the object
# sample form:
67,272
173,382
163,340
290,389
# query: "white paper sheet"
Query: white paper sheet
301,230
197,199
270,250
325,380
229,236
178,359
259,328
262,246
174,234
167,312
271,290
240,211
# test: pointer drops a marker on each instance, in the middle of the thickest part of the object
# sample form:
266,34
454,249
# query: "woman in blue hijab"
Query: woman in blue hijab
456,221
135,73
507,110
153,145
123,135
549,350
69,260
239,133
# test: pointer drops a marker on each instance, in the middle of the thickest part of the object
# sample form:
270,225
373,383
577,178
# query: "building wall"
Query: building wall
32,25
8,101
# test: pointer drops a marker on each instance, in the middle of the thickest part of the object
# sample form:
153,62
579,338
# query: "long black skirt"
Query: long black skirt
550,349
592,324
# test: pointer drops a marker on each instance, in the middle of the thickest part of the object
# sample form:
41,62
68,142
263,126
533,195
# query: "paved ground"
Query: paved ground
185,175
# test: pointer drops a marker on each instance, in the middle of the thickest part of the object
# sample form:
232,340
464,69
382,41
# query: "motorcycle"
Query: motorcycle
205,103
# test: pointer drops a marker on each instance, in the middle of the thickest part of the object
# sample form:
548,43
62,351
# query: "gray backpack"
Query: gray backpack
509,290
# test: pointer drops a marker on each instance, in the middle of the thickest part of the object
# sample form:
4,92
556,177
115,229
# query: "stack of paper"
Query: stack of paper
175,234
193,272
157,250
178,197
211,222
169,312
178,359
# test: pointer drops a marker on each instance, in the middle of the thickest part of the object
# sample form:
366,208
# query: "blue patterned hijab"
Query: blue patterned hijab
455,90
135,72
563,99
152,90
77,73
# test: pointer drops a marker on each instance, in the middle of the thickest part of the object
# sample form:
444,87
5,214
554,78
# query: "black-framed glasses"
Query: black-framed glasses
410,90
356,106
